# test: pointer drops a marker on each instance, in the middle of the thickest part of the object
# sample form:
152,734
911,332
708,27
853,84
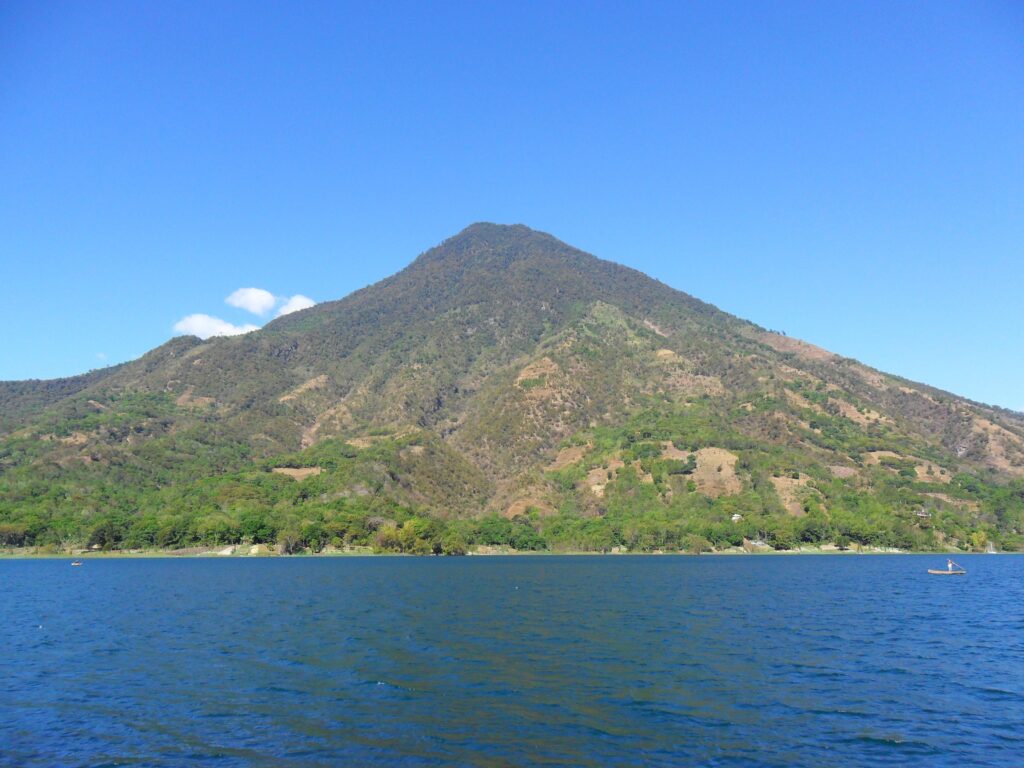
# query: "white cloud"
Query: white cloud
294,304
254,300
205,326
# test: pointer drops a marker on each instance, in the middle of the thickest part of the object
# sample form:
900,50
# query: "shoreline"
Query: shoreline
215,554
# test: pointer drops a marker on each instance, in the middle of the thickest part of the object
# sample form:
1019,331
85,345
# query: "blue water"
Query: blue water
597,661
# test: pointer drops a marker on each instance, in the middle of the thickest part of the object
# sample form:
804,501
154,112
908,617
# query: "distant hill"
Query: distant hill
505,388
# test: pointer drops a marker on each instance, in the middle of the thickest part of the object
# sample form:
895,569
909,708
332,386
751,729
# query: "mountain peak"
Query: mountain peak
485,236
494,248
492,230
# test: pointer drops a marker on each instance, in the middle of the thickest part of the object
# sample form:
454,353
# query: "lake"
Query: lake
546,660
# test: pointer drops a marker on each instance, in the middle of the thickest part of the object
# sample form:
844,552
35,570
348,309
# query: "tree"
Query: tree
105,534
453,543
12,534
257,528
289,542
315,536
696,544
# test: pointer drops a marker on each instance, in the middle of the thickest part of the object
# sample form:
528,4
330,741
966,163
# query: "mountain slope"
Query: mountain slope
505,372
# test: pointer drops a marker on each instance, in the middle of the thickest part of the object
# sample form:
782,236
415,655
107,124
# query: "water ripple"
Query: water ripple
796,661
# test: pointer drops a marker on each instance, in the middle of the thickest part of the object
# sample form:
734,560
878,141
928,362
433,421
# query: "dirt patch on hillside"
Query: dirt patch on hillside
927,471
919,393
931,473
669,451
875,457
779,422
789,345
537,370
838,470
788,373
655,328
70,461
683,383
791,492
678,380
716,472
333,420
802,424
362,442
599,477
645,477
849,411
523,507
75,438
189,399
317,382
972,506
1005,449
96,405
873,378
536,379
801,402
567,457
297,473
366,441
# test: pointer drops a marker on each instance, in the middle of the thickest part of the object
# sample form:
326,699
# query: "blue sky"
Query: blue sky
849,173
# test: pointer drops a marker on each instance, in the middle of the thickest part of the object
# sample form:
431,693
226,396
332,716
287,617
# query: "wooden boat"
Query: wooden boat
76,562
944,572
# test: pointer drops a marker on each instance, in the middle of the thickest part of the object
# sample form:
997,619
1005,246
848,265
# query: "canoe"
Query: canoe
946,573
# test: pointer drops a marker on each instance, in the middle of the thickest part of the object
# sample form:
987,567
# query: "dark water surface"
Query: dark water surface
512,661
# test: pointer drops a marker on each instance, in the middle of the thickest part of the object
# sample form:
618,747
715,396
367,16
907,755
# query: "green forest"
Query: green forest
198,489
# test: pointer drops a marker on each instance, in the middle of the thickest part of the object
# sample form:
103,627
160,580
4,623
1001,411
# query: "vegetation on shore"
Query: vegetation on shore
359,498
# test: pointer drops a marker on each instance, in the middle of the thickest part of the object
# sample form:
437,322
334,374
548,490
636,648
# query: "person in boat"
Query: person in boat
949,565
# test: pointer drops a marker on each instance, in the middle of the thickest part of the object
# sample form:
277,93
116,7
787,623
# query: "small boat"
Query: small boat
76,562
958,572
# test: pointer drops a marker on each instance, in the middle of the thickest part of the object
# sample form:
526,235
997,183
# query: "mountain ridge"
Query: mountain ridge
505,372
